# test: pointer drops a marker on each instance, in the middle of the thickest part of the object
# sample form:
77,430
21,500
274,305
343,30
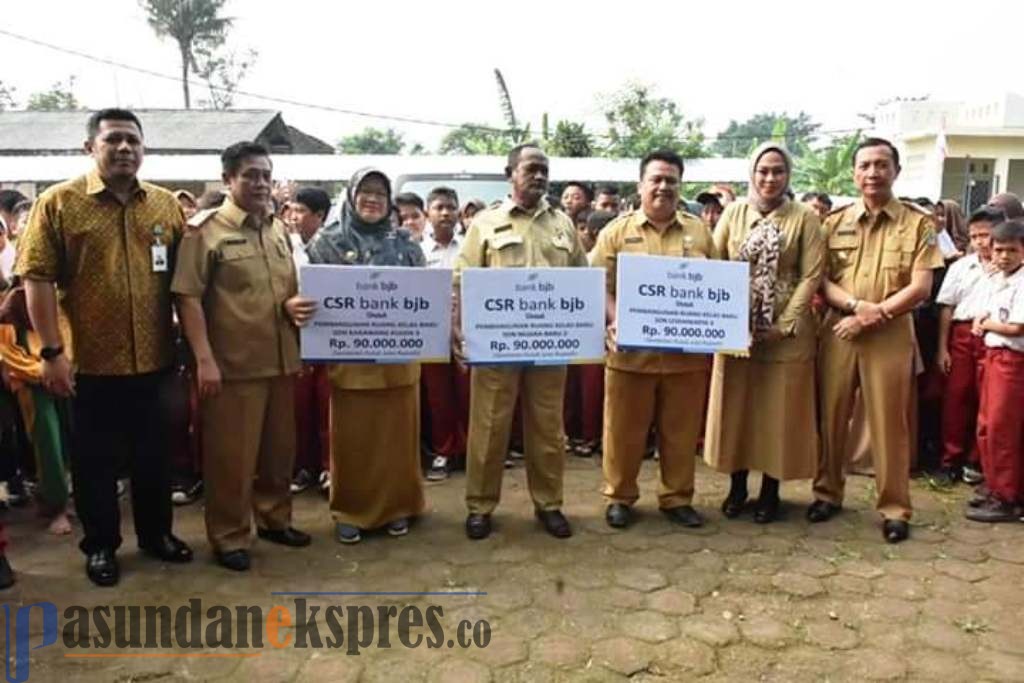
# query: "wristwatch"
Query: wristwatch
851,305
50,352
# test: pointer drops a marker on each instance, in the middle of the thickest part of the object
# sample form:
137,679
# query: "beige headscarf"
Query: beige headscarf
755,199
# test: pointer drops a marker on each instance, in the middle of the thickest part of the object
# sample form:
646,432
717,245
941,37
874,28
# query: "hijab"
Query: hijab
955,224
763,205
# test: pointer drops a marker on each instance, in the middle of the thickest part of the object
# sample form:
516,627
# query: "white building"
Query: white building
965,151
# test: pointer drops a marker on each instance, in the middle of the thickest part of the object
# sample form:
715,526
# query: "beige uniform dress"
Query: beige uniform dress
872,258
761,414
240,266
652,387
509,236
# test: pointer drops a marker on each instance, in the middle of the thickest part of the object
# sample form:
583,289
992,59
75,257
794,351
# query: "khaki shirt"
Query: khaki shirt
873,258
508,236
632,233
801,263
98,251
242,269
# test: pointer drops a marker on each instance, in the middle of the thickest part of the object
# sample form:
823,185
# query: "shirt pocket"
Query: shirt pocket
557,250
239,266
842,252
897,261
507,251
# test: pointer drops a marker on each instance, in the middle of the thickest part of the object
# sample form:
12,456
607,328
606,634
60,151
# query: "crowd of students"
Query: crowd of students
887,318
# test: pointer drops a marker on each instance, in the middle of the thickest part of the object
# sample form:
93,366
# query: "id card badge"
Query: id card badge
158,253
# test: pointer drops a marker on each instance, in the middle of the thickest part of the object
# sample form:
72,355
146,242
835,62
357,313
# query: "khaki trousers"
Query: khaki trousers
248,453
492,402
880,363
674,403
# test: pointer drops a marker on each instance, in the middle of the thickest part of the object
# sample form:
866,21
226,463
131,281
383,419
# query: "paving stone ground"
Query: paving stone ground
734,601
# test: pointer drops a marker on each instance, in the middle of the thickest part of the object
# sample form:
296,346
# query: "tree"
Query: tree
471,138
197,27
60,97
222,74
639,122
373,141
739,138
7,96
569,139
829,169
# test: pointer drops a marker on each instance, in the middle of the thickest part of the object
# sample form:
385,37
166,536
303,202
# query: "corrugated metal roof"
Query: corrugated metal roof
165,129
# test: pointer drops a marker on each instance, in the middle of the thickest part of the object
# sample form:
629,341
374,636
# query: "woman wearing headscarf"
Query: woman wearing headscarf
949,218
375,410
762,406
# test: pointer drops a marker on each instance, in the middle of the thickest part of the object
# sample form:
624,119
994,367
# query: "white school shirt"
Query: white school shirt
439,256
961,288
1004,302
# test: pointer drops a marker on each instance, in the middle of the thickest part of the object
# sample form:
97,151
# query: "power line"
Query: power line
339,110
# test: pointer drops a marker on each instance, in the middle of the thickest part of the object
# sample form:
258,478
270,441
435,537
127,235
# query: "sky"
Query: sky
435,60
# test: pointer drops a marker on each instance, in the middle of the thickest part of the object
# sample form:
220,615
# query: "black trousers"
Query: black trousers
121,421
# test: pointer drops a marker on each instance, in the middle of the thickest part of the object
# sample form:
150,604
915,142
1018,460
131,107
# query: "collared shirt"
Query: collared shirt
299,255
509,236
99,252
801,263
872,258
1004,302
633,233
961,286
439,255
241,266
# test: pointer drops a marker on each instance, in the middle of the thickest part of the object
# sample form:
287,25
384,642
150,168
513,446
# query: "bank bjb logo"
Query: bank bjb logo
21,640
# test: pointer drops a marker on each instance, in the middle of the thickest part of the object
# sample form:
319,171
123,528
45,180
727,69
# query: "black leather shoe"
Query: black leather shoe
685,515
766,511
555,523
732,506
168,549
101,568
618,515
895,530
6,573
478,526
822,511
290,537
235,560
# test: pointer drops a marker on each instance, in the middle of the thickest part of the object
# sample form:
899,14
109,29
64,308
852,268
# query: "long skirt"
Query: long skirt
762,416
375,468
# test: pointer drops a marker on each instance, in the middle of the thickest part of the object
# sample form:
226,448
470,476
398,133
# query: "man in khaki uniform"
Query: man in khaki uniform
524,231
236,286
645,387
881,253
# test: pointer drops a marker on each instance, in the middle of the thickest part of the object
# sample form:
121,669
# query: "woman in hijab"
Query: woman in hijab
375,410
949,218
762,407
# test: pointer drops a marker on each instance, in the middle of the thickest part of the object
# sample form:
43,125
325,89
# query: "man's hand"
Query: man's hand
870,314
944,361
848,328
458,346
611,336
300,309
978,326
58,377
208,377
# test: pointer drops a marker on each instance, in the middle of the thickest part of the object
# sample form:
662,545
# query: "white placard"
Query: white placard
377,314
533,316
688,305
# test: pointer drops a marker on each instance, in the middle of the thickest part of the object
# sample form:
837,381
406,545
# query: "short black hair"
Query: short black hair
92,126
877,142
515,153
987,214
231,158
1009,231
666,155
819,196
410,199
588,191
447,192
925,202
598,219
10,199
582,217
607,189
314,199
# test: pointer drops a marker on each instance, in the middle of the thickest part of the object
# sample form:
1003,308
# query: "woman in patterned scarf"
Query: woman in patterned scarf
762,407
